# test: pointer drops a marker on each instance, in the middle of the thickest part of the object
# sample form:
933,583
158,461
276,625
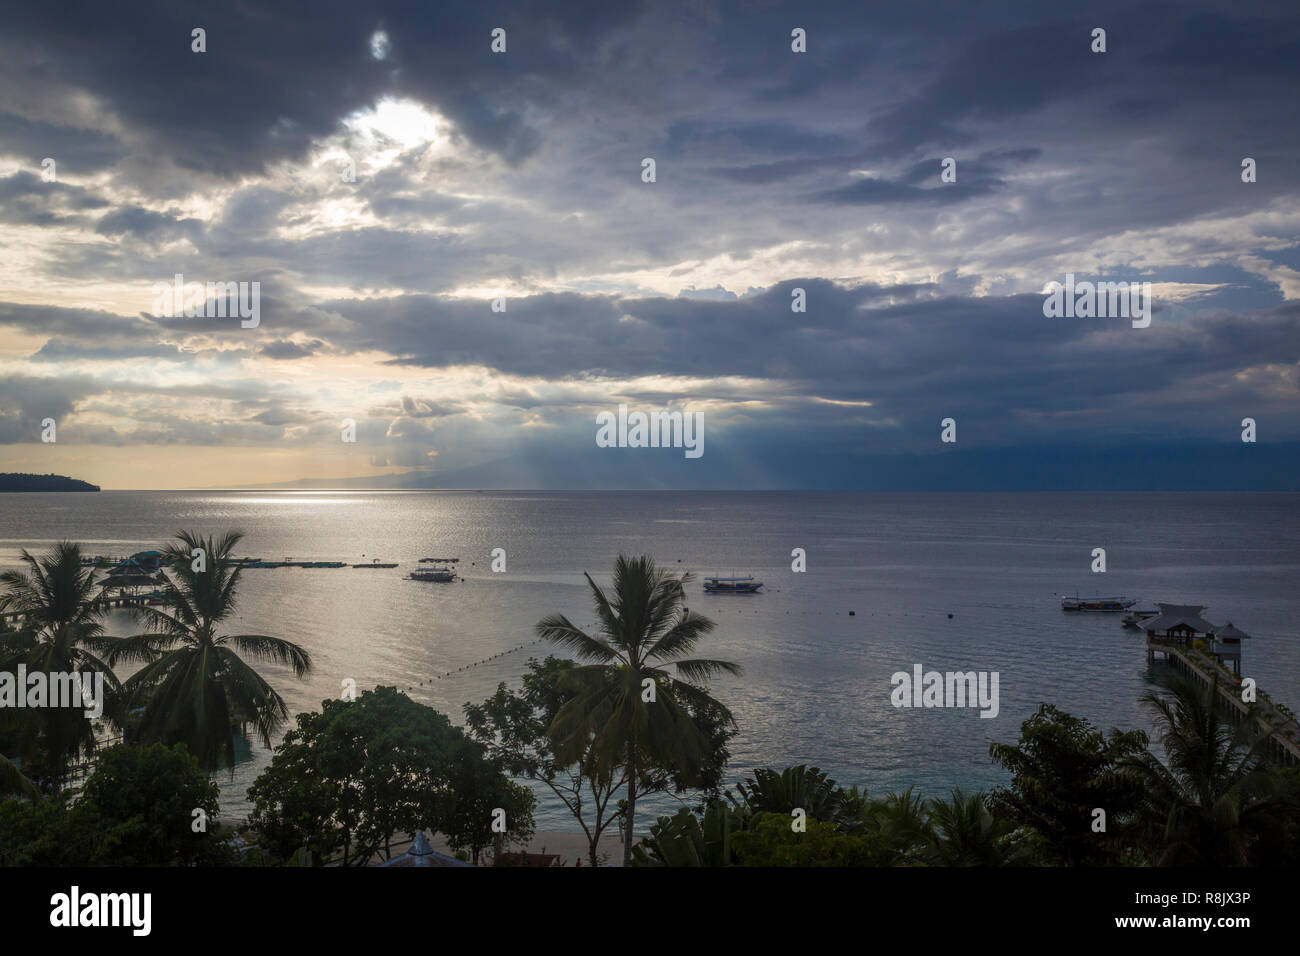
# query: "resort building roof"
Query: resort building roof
1173,616
1228,632
421,854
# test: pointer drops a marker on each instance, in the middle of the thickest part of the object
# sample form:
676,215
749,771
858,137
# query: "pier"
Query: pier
109,601
1178,635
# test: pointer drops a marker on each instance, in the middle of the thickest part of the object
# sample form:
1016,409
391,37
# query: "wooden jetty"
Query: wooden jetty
1200,650
106,600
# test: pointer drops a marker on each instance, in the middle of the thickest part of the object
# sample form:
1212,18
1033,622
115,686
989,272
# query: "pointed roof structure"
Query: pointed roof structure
1229,633
421,854
1179,616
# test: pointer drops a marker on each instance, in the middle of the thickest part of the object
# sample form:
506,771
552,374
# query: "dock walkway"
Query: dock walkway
1284,731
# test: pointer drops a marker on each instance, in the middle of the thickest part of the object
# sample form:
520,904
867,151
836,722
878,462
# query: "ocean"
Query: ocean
947,581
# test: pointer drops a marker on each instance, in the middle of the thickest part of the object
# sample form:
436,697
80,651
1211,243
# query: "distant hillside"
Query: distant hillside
15,482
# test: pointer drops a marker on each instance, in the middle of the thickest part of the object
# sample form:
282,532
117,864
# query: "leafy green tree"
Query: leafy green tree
52,831
515,727
195,686
1207,802
772,841
794,788
13,782
478,789
686,839
136,809
153,792
1062,770
1277,832
349,778
643,629
897,825
62,632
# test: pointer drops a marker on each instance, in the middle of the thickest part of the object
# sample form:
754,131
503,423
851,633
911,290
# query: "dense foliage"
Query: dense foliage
349,778
138,808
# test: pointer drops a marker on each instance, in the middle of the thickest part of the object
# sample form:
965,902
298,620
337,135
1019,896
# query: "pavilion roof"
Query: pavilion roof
1179,615
1228,631
421,854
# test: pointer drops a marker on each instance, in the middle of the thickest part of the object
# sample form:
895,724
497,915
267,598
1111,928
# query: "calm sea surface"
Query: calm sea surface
969,582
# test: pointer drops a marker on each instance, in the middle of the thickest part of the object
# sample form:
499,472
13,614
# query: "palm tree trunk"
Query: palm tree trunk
631,813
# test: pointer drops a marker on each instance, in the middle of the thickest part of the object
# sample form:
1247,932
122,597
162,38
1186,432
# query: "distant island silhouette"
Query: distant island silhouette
12,481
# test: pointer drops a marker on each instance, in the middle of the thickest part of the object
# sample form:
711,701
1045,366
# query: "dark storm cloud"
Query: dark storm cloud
905,350
26,199
867,192
84,324
148,225
285,350
26,401
833,155
278,75
58,349
76,151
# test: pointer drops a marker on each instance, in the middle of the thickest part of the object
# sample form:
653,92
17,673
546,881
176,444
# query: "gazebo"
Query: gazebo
142,569
1177,624
421,854
1227,645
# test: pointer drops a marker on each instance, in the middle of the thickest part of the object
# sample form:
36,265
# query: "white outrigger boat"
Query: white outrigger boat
736,585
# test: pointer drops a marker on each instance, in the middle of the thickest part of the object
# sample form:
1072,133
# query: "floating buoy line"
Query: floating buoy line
527,644
486,660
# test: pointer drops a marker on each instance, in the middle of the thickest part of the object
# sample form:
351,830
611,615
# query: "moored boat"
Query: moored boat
1096,604
732,585
433,574
1135,618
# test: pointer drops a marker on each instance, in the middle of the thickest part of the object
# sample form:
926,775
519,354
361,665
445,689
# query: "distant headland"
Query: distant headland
11,481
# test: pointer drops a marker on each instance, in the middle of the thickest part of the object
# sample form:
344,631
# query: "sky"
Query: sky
457,249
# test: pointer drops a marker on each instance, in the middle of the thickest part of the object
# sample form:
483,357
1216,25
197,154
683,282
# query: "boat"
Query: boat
433,574
1135,618
375,564
1096,604
735,585
439,560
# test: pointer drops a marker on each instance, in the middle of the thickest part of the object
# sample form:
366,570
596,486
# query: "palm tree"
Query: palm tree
195,687
897,824
805,788
627,709
61,633
1212,791
962,832
13,782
